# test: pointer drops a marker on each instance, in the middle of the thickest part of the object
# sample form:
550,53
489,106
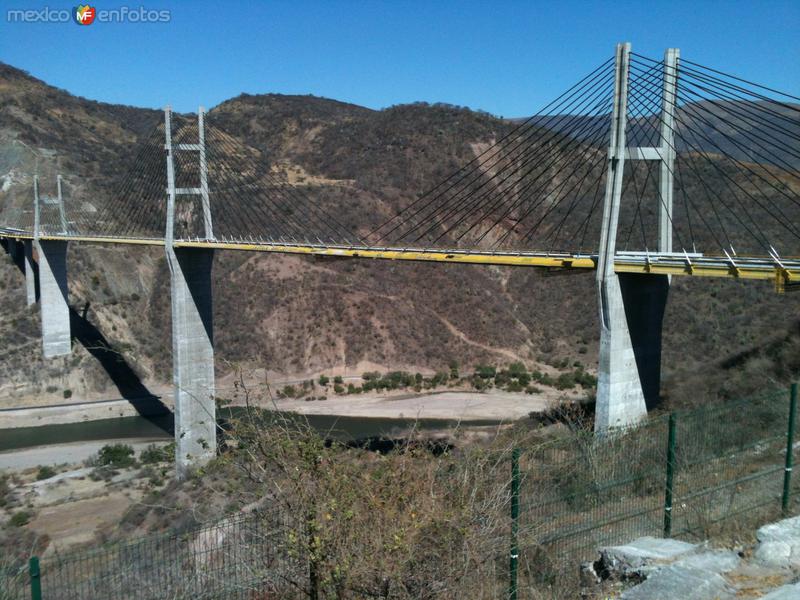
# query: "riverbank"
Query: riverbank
460,405
79,412
454,405
72,453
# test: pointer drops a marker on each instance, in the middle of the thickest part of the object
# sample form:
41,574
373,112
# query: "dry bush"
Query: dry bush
420,520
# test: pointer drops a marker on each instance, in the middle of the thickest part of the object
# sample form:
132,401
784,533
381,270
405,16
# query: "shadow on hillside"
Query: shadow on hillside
130,386
17,255
384,445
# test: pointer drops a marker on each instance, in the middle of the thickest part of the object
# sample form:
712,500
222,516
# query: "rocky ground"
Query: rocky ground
665,569
73,504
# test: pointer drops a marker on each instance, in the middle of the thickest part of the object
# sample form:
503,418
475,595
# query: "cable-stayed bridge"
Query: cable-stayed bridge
642,170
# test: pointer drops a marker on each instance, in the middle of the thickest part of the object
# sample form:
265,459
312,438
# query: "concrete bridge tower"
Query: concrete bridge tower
192,328
48,277
632,305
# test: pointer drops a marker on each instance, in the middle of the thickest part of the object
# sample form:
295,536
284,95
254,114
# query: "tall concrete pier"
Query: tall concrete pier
193,357
53,291
192,328
629,375
31,275
56,336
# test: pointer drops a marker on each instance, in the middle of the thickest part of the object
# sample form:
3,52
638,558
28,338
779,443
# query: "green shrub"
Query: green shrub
116,455
45,472
439,379
514,386
338,388
67,394
479,383
584,379
485,371
338,379
453,369
154,454
543,378
324,380
565,381
517,369
20,519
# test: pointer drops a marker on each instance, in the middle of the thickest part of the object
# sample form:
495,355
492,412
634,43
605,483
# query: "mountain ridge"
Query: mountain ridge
305,315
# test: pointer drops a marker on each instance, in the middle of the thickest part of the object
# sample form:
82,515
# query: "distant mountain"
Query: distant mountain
739,129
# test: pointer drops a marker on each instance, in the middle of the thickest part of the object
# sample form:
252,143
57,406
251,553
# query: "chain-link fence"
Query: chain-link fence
689,474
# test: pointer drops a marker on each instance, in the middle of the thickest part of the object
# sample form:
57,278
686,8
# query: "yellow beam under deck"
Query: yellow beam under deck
698,268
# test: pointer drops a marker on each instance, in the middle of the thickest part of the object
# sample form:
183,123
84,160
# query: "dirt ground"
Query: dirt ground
460,405
77,522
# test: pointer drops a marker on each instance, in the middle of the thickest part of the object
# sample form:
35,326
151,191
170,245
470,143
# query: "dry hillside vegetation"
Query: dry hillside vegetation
302,316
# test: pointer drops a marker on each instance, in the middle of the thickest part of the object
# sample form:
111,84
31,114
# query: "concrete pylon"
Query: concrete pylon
192,357
31,274
56,334
192,337
631,305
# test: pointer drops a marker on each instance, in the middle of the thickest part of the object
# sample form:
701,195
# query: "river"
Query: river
342,428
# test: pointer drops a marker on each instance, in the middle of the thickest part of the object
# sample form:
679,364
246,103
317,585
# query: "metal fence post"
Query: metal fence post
514,557
35,575
787,471
670,475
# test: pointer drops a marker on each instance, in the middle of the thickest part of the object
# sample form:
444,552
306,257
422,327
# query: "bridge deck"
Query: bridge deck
780,271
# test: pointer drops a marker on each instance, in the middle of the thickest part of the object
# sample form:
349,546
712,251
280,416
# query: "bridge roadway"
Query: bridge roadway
777,269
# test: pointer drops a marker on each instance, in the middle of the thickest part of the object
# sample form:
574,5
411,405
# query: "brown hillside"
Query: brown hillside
298,316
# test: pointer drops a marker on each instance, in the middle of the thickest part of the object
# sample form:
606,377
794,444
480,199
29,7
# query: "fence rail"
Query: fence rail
687,474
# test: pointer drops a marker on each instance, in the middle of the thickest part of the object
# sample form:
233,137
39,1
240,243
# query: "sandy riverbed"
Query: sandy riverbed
460,405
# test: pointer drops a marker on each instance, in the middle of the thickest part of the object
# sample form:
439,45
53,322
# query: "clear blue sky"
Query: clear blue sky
508,58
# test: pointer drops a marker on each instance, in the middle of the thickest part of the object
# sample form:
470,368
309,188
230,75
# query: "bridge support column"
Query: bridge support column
10,246
193,357
620,398
31,274
16,252
629,377
56,335
632,306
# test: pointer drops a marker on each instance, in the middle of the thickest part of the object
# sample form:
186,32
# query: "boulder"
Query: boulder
682,582
786,592
715,561
640,556
779,544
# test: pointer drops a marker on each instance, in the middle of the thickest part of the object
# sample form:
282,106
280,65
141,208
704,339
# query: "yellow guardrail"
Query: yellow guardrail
752,269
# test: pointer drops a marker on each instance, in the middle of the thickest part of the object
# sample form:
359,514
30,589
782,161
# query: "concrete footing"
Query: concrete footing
193,357
56,335
31,274
629,377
